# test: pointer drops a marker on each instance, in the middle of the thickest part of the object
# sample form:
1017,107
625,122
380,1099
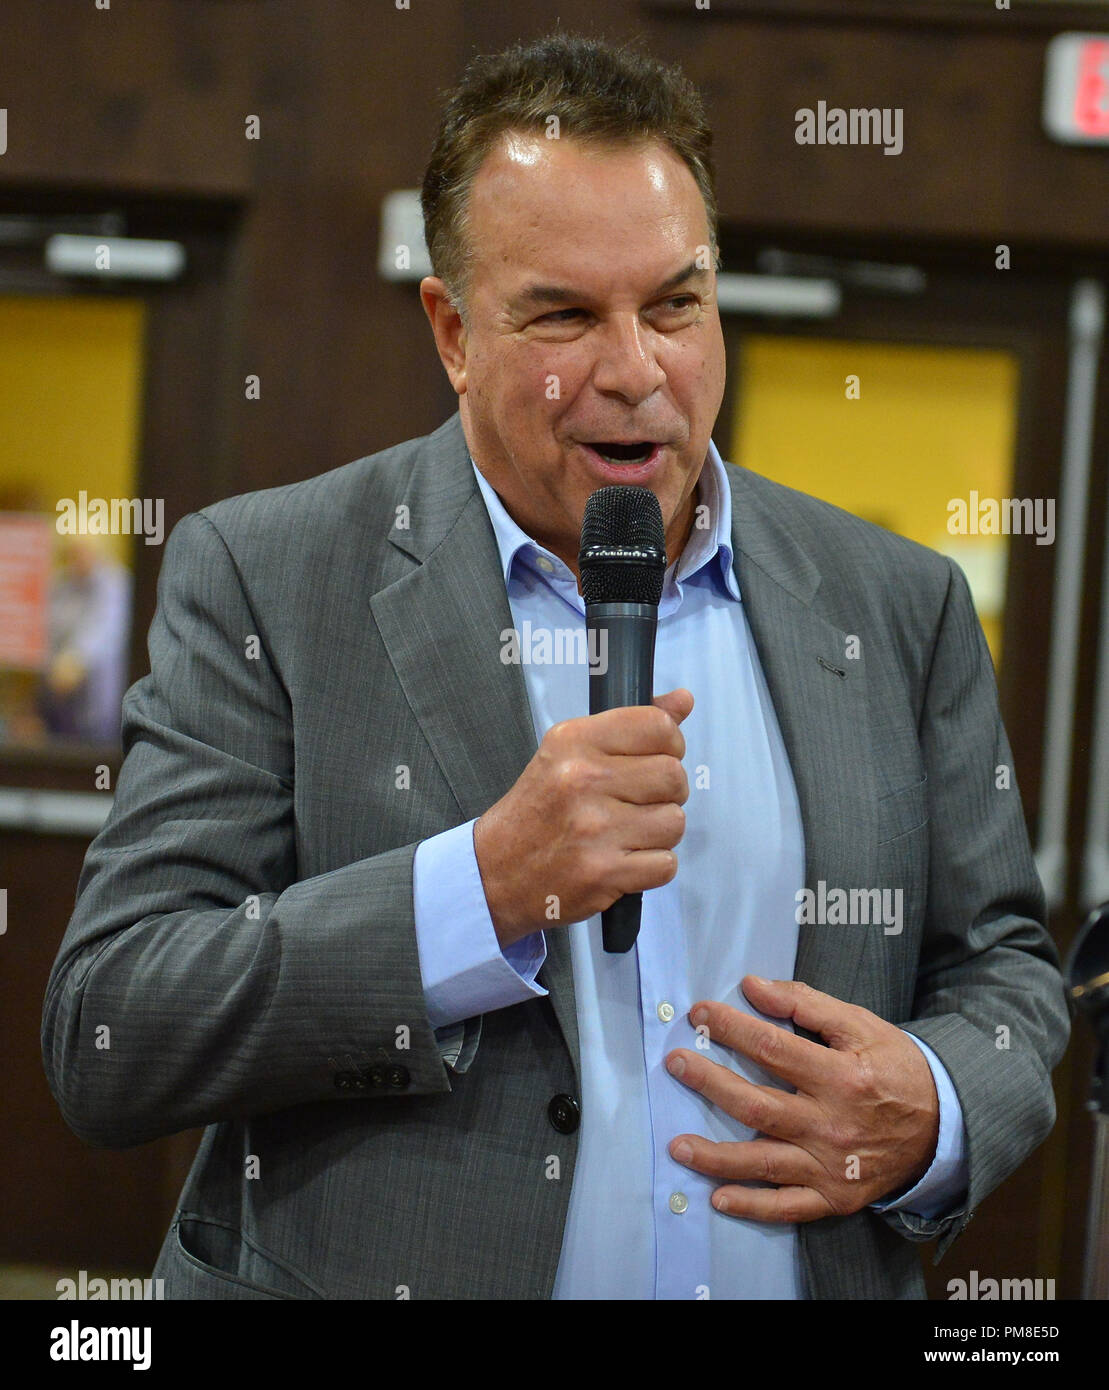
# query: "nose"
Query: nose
626,363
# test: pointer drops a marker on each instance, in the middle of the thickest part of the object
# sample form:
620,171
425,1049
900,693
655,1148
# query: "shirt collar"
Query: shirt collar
709,546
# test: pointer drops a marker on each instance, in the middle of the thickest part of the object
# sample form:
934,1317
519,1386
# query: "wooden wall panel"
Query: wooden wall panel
149,96
976,165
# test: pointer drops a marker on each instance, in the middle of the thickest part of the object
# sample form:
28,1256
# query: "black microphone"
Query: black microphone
622,563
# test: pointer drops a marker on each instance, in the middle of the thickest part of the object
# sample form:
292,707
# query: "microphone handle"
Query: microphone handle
621,639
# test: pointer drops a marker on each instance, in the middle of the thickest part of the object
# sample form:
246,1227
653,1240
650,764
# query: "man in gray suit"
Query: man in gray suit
344,910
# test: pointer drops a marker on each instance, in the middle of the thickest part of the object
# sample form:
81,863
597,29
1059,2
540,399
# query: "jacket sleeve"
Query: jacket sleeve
199,980
989,998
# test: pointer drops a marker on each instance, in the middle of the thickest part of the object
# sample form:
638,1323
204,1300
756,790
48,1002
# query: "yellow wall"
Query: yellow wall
70,394
930,424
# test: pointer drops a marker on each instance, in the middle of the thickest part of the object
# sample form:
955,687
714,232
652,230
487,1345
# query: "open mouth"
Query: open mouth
639,451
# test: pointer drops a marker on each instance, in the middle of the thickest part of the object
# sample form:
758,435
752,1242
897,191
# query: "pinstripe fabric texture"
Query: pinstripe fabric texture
326,690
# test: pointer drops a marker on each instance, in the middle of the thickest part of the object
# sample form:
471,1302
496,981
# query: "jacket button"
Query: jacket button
398,1077
564,1113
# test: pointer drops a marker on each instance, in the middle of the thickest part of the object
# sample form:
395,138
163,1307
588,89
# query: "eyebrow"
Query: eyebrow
561,294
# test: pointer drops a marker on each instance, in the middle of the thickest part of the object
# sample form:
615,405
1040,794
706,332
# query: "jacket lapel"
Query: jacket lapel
819,694
450,610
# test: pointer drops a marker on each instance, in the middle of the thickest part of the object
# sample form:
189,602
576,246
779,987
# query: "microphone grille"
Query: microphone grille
623,546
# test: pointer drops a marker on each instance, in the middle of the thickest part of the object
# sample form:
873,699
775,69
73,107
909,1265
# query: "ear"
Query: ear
448,328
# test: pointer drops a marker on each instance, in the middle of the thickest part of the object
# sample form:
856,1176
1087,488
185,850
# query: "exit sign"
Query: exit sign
1076,89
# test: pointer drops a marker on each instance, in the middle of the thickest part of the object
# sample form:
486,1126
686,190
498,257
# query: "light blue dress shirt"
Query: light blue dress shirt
641,1225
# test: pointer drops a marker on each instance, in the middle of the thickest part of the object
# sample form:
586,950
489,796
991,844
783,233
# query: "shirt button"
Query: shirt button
665,1011
678,1202
544,564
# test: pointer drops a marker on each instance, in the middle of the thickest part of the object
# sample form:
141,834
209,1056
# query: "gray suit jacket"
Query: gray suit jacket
244,924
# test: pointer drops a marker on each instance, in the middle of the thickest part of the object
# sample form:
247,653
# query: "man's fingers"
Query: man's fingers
792,1170
634,729
749,1160
781,1206
646,778
807,1065
762,1108
677,703
843,1026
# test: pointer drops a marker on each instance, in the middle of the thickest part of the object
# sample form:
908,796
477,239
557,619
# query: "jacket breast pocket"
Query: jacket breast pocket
903,811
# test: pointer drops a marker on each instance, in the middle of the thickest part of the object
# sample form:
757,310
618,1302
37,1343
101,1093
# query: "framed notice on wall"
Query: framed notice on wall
26,544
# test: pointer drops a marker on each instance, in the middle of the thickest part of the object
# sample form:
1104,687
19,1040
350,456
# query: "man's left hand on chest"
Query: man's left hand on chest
862,1124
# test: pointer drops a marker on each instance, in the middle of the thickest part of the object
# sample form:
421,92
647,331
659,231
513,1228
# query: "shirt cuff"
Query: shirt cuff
465,973
944,1185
